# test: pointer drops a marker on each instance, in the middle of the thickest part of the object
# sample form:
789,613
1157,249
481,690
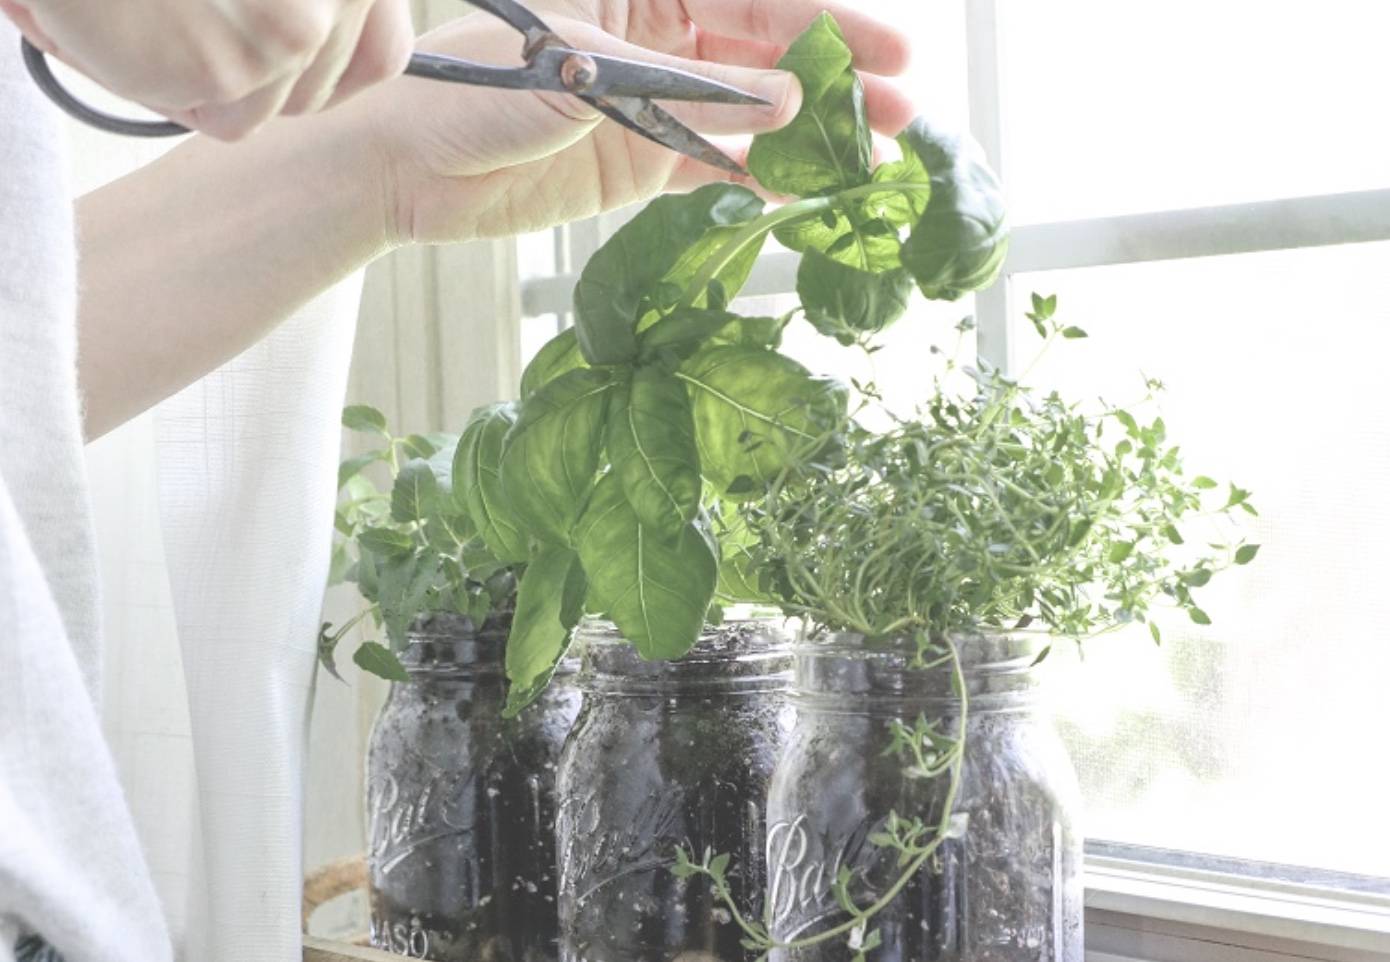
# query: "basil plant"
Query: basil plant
608,482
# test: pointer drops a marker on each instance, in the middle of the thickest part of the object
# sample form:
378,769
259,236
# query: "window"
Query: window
1206,187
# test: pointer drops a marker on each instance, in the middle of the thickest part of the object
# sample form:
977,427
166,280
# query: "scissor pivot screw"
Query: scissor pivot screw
578,73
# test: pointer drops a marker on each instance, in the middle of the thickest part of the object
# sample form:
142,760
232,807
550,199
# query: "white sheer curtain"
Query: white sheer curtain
214,517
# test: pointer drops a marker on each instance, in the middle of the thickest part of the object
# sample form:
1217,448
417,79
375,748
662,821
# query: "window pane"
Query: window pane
1123,107
1263,735
903,366
936,79
537,331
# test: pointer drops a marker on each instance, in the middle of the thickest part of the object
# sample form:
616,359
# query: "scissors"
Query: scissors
619,88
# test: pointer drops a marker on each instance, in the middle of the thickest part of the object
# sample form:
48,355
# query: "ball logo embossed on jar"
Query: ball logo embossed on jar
800,884
1004,883
459,803
601,856
400,824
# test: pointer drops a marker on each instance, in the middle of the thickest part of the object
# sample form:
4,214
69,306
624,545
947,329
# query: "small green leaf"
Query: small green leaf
415,495
327,644
352,467
380,661
365,418
1203,482
385,541
655,588
550,455
1199,616
719,865
557,356
1073,333
1157,635
1246,553
683,867
339,565
1196,578
844,302
827,146
1120,551
404,585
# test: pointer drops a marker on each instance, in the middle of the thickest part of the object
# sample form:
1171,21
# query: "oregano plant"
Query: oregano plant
411,547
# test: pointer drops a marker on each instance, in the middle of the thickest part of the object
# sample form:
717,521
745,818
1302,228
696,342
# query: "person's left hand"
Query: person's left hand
464,162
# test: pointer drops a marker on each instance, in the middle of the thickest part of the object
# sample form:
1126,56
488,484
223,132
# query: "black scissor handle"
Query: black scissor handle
37,65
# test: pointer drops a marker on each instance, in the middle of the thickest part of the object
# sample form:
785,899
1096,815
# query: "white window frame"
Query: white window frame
1138,909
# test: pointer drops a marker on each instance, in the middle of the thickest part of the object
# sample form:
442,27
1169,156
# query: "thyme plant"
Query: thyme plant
1008,509
999,511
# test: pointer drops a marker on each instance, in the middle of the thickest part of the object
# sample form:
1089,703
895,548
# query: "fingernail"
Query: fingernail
781,90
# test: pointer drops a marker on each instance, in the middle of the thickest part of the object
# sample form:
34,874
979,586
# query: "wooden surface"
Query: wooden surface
320,950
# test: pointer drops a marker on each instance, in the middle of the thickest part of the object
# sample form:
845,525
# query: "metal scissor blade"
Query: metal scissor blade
647,119
619,77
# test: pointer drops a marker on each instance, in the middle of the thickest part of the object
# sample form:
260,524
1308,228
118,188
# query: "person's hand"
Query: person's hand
467,162
224,66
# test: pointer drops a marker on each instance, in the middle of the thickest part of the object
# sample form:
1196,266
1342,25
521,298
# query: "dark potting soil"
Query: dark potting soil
461,808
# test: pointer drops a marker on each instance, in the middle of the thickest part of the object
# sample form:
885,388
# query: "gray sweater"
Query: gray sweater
71,868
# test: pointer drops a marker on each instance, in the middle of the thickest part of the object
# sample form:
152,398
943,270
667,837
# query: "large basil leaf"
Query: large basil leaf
755,413
651,444
550,456
959,245
557,356
541,626
828,145
616,287
845,303
656,588
478,482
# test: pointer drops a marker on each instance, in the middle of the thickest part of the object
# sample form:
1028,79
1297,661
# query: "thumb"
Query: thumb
780,89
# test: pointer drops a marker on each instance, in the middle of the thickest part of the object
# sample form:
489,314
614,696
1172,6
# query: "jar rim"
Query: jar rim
845,673
974,648
738,655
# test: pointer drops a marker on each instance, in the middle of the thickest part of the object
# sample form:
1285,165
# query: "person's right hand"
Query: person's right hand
224,67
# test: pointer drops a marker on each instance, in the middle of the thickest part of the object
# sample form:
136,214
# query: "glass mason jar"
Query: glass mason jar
667,754
1010,890
461,803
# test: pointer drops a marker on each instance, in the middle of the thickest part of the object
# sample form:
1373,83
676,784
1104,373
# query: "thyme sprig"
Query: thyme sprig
926,754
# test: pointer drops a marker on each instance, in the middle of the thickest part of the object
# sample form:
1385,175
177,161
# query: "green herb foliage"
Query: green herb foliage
413,548
1005,509
663,402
